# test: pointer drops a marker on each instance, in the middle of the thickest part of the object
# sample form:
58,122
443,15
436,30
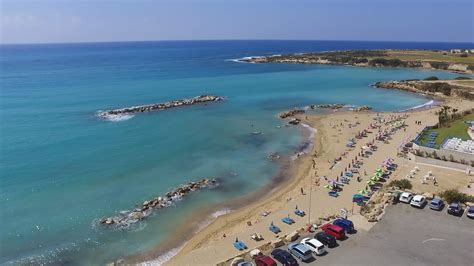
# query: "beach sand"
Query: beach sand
214,243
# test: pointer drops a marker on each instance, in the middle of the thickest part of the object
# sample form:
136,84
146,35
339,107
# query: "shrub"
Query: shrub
402,184
462,78
432,78
453,195
463,55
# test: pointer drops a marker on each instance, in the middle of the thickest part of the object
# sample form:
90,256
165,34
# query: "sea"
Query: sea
62,168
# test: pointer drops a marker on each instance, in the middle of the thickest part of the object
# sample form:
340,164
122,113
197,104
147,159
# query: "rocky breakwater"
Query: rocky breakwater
129,217
363,108
333,106
291,113
159,106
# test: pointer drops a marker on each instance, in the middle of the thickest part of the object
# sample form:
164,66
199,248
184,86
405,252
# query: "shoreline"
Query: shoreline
203,219
282,184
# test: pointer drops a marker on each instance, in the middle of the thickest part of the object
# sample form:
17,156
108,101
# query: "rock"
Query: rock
292,236
428,196
277,243
363,108
291,113
254,253
294,121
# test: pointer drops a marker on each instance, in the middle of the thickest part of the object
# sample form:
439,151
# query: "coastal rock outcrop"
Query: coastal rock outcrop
140,213
159,106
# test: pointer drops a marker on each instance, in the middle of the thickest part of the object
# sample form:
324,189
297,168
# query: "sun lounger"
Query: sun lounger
333,194
240,245
288,220
300,212
349,174
257,237
274,229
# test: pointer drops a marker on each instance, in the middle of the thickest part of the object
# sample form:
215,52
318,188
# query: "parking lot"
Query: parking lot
407,236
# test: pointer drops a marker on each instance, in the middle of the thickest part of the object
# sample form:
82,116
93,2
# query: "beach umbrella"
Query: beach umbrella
363,191
371,183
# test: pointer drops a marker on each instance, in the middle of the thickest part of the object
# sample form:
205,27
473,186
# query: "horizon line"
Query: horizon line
222,40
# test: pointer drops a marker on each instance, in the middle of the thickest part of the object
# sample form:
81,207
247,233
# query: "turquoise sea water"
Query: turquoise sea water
62,168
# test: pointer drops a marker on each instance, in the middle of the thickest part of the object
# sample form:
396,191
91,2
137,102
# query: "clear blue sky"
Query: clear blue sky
38,21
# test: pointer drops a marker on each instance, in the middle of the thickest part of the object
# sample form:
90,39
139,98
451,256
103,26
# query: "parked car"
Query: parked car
315,246
455,209
326,239
334,230
418,201
262,260
437,204
346,224
245,263
284,257
470,212
406,197
300,251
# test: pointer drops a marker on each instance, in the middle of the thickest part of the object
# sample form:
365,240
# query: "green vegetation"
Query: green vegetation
453,195
442,87
454,128
402,184
462,78
432,78
395,62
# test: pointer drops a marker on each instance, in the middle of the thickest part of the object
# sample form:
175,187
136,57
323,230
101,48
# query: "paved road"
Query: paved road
408,236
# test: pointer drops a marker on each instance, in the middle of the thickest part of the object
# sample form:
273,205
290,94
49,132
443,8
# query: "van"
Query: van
348,225
300,251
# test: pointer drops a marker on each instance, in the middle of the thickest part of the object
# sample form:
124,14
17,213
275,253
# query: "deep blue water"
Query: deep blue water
62,168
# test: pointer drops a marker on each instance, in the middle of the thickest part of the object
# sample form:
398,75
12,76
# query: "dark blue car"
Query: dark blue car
284,257
455,209
347,225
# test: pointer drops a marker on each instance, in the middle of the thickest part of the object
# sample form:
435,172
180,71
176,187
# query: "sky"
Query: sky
59,21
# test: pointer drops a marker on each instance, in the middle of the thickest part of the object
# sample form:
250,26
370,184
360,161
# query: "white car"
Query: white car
314,245
418,201
406,197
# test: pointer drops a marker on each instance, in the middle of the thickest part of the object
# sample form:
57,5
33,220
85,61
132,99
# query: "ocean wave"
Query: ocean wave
173,252
308,145
427,104
117,118
163,258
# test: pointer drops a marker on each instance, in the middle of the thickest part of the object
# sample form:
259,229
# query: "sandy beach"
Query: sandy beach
213,244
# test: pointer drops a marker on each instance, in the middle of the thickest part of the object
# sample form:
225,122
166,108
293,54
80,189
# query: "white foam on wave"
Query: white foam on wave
173,252
117,118
427,104
310,141
163,258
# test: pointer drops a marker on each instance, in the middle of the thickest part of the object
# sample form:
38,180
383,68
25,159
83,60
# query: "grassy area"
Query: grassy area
431,56
455,128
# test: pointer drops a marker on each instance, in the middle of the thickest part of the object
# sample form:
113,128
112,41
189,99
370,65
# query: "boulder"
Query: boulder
254,253
277,243
428,196
292,236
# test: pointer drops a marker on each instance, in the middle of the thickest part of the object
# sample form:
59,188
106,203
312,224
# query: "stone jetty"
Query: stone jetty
160,202
160,106
291,113
363,108
328,106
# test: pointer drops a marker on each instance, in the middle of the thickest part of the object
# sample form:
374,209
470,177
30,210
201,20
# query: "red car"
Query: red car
334,230
263,260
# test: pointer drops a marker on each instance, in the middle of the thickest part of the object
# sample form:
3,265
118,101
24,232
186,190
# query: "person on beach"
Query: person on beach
302,192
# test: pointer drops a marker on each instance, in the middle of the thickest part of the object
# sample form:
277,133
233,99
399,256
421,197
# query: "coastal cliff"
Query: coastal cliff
437,60
442,88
